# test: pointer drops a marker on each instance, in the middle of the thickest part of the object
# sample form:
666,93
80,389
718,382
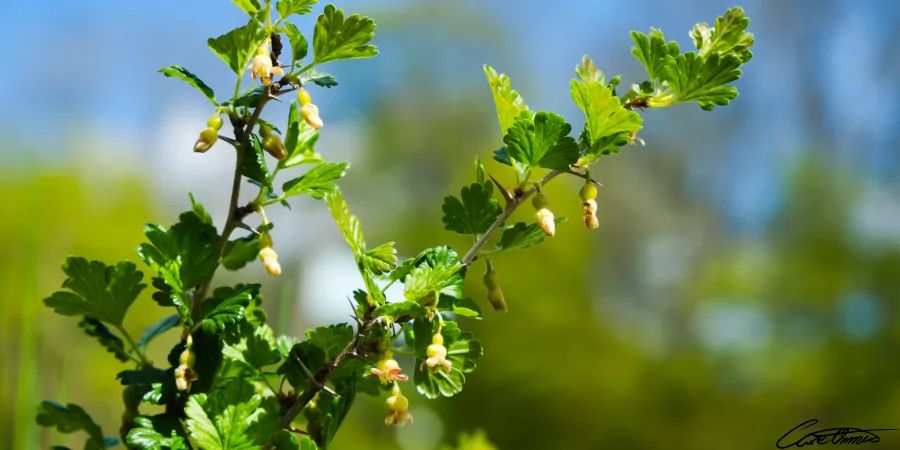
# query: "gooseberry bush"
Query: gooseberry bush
230,382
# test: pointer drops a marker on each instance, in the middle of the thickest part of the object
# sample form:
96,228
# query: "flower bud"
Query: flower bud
310,113
270,261
215,121
273,145
589,213
207,138
398,408
588,191
543,215
589,205
303,97
495,293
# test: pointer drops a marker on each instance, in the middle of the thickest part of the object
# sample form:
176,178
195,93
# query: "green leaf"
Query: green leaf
286,8
543,142
157,329
161,432
300,141
166,296
473,212
191,79
338,38
307,444
381,259
652,50
112,343
522,235
96,290
394,311
254,164
231,419
441,278
432,257
238,252
226,306
322,79
729,35
333,409
248,6
309,355
346,222
460,306
331,339
510,105
260,348
69,419
248,98
704,81
605,117
317,182
299,45
238,45
183,255
462,351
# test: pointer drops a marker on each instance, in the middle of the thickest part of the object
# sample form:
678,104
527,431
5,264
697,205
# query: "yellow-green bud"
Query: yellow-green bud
273,145
207,138
495,293
215,121
303,97
588,191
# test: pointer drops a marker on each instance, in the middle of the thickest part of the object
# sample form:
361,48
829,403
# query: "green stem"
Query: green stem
142,359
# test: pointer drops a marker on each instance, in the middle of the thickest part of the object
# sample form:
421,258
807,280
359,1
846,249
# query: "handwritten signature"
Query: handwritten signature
834,436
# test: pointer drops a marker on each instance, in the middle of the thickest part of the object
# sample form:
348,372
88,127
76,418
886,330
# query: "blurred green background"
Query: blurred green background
744,278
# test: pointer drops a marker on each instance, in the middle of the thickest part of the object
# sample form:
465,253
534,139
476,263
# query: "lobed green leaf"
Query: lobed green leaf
473,212
96,290
338,38
238,46
510,105
318,182
605,117
542,142
69,419
287,8
191,79
112,343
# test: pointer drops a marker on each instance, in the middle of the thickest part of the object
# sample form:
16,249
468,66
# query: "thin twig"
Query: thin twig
511,206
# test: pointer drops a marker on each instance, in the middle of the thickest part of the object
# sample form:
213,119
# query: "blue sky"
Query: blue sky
823,79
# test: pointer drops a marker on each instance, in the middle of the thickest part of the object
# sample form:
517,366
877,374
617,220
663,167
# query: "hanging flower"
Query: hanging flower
184,373
268,256
398,408
310,113
543,215
388,369
494,292
262,66
589,205
437,355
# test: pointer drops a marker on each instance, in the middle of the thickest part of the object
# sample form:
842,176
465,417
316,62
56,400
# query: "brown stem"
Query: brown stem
242,133
518,198
317,383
